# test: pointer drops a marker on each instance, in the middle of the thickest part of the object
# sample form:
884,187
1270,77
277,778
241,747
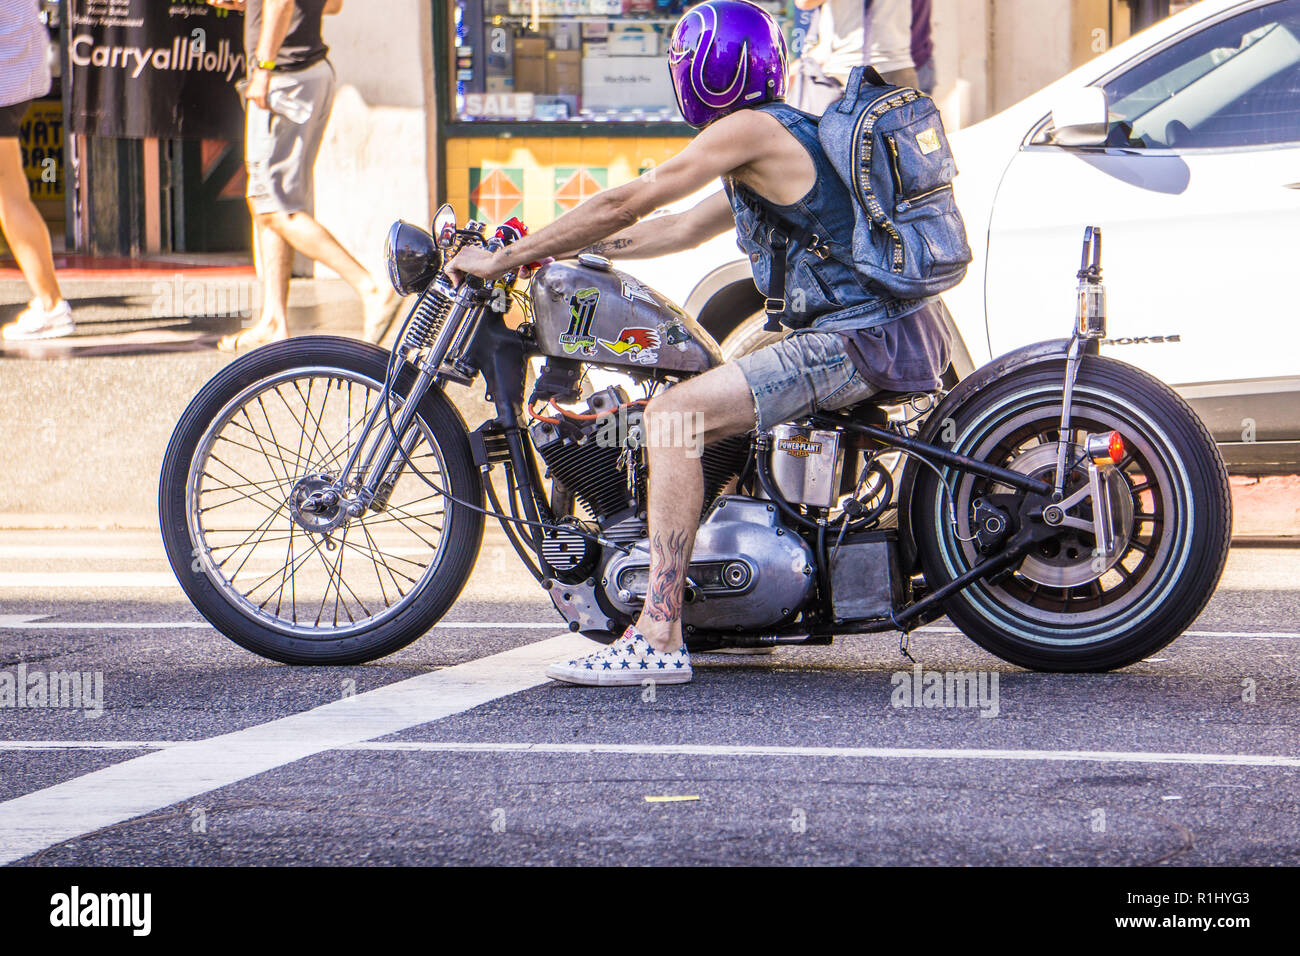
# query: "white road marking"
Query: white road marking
37,622
29,622
719,750
887,753
145,784
945,629
41,581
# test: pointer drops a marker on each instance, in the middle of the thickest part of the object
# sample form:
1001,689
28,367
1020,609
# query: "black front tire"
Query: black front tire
435,593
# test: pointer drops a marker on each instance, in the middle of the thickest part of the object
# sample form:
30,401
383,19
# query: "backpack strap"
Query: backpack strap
775,306
858,77
780,232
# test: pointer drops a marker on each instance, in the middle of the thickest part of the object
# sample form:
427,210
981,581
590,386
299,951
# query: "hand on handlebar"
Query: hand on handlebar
474,261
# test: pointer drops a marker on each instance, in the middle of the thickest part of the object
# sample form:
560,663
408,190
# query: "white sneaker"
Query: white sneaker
35,323
628,661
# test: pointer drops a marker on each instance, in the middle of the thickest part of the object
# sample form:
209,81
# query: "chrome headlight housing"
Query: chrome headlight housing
413,257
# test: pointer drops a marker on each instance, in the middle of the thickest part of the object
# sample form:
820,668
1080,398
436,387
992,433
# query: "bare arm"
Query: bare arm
663,235
808,4
718,150
235,5
332,7
277,15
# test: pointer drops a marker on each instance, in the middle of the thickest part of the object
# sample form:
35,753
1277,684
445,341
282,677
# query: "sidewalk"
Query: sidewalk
87,418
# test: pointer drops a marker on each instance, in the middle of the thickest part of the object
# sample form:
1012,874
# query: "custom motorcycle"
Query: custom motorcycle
322,501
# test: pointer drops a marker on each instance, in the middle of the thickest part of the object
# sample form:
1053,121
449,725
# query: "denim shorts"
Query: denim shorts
803,373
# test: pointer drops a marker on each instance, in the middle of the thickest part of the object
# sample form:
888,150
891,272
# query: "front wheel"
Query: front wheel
1067,606
293,583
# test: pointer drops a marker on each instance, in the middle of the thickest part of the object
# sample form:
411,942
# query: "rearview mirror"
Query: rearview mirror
1081,117
444,225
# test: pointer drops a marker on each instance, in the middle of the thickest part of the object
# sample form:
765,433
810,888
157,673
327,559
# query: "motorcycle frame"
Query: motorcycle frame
499,354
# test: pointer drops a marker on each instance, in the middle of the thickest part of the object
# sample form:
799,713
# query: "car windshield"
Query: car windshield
1235,83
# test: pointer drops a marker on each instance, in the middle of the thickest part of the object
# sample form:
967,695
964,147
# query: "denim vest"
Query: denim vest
833,295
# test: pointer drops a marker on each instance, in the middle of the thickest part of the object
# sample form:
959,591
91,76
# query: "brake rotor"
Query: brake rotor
1071,557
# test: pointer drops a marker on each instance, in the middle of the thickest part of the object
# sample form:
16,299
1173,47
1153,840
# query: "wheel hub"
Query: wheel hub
315,506
1072,557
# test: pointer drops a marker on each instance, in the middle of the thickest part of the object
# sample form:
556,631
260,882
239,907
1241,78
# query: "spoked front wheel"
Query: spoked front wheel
252,533
1069,606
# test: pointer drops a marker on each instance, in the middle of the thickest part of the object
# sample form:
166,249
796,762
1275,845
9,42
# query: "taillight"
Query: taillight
1106,448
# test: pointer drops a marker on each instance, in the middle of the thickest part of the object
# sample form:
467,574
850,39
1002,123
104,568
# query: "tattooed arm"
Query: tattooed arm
668,559
723,148
662,235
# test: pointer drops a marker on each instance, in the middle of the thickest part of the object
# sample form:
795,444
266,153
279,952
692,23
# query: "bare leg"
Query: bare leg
277,267
678,424
275,262
313,240
23,227
316,242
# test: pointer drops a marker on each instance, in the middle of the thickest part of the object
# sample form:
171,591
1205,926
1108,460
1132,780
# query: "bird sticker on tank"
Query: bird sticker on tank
582,310
636,345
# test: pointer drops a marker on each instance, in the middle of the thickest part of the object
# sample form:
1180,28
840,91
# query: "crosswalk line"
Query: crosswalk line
141,785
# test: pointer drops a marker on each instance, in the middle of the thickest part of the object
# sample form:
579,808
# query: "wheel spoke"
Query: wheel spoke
282,431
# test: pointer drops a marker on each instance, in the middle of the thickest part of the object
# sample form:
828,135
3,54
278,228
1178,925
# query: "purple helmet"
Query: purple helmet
725,55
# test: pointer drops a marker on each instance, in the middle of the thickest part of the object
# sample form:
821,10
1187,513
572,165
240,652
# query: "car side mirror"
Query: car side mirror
1081,117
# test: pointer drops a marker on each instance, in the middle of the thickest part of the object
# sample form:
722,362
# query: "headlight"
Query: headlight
414,259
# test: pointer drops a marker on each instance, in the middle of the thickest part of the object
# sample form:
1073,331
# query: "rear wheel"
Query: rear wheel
1067,606
749,336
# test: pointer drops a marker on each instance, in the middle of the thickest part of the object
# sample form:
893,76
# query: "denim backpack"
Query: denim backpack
888,145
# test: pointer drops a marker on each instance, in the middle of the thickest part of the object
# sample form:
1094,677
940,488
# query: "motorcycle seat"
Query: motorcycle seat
874,409
887,398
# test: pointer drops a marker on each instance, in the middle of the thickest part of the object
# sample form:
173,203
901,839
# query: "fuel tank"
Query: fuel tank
587,310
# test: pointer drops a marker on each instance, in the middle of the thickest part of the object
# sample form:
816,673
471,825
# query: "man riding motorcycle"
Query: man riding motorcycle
728,64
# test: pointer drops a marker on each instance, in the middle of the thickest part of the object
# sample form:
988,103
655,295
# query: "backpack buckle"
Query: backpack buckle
774,306
819,248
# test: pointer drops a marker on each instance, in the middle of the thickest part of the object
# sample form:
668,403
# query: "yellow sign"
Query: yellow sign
41,139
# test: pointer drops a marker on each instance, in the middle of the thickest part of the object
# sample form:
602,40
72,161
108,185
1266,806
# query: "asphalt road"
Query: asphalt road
457,750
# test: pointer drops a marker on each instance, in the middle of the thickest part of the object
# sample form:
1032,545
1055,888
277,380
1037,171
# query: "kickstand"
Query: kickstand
904,640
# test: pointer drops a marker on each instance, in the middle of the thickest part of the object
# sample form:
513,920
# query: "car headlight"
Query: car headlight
413,258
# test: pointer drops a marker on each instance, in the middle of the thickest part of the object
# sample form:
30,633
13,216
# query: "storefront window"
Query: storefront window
557,61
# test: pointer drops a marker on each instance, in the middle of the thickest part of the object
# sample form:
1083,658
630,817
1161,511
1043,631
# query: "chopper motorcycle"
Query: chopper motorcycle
322,501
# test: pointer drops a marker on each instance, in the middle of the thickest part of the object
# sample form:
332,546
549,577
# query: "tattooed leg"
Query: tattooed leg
678,424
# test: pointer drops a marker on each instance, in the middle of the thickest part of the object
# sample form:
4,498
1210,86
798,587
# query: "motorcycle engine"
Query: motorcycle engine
747,571
585,453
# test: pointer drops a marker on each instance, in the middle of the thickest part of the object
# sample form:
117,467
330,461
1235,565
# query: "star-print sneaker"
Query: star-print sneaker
628,661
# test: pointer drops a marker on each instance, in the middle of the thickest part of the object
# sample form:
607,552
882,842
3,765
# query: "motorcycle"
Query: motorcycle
323,502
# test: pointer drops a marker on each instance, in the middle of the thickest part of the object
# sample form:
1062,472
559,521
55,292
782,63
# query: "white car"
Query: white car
1183,144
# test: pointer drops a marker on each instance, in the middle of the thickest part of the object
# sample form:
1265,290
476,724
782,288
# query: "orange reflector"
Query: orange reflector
1116,447
1105,448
